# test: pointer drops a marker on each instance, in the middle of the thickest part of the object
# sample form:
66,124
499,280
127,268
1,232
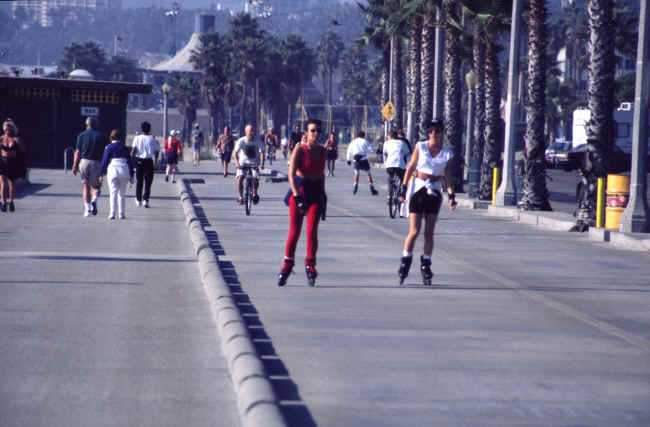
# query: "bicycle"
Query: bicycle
394,205
248,189
270,154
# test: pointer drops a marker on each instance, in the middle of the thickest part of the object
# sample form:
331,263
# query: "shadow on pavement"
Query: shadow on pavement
30,189
293,408
291,404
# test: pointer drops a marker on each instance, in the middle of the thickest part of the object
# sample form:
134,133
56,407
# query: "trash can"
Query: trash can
618,194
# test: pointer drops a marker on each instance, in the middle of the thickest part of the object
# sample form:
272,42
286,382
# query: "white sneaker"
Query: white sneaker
138,203
111,216
146,203
87,213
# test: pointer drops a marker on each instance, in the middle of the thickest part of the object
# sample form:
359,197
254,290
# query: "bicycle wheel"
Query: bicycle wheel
393,204
248,196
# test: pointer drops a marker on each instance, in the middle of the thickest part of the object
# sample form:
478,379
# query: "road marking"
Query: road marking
605,327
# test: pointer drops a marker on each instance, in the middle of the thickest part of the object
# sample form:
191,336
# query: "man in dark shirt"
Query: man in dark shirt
296,136
87,162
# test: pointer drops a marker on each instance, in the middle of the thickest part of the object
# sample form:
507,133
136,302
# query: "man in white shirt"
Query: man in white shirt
358,151
249,152
145,151
396,155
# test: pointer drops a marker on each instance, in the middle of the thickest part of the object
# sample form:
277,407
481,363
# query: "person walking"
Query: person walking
87,162
307,198
295,138
118,168
431,161
173,152
12,163
224,148
197,142
358,151
249,152
332,148
145,151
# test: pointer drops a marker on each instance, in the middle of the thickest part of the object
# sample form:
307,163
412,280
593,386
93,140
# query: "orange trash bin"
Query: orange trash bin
618,194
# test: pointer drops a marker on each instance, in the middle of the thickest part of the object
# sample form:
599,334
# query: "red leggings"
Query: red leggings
295,225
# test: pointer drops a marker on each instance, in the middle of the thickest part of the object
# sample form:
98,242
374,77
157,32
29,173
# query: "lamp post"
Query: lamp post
471,79
166,88
635,217
506,194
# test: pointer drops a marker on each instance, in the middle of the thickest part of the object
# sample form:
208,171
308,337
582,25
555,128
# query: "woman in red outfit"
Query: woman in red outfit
307,199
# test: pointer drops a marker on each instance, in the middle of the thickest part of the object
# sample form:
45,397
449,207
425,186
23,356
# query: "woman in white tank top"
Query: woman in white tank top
431,162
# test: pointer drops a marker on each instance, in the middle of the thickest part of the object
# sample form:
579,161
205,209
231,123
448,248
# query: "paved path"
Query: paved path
522,326
103,323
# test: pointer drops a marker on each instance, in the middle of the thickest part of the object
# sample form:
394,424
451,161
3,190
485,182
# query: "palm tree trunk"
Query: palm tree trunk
492,148
414,78
600,128
453,93
427,70
398,79
535,193
385,71
478,52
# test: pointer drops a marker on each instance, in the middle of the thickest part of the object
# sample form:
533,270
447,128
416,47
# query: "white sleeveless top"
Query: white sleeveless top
432,165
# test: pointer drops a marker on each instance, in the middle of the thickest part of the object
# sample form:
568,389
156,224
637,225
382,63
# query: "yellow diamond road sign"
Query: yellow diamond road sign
388,111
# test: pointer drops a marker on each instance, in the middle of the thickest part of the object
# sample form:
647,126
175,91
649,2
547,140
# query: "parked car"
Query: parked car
556,153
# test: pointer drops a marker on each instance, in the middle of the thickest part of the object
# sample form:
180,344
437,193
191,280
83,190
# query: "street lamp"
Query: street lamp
472,173
166,88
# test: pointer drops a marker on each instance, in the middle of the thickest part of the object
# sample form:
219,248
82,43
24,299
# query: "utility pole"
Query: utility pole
438,101
635,216
506,195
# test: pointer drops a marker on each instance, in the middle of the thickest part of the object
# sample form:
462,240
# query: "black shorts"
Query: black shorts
361,164
332,155
172,158
423,203
396,172
225,156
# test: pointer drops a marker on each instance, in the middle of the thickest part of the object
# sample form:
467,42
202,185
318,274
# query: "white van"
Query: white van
623,125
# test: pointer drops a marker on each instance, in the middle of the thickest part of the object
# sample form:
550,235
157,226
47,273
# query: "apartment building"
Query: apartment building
40,10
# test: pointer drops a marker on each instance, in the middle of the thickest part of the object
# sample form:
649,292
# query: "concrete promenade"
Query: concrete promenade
107,322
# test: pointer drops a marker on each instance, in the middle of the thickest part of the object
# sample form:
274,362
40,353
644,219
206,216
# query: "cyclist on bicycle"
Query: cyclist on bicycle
396,155
249,152
271,143
358,151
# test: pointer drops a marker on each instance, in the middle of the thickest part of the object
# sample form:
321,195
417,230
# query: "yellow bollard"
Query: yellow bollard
600,198
618,194
495,185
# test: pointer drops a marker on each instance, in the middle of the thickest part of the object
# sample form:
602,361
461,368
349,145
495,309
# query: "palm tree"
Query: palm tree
453,89
186,93
427,67
600,127
413,78
492,17
478,65
330,49
211,57
535,193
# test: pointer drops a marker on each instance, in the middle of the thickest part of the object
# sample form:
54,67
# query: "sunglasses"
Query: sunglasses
314,130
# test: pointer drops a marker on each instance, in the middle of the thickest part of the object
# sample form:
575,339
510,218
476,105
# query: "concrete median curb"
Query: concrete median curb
256,399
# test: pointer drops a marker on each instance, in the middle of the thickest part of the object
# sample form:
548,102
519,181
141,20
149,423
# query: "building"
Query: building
40,10
50,113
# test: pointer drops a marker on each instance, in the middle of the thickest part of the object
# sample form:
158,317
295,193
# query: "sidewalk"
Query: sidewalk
105,323
522,326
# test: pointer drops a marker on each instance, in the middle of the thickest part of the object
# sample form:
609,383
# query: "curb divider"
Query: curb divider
256,399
